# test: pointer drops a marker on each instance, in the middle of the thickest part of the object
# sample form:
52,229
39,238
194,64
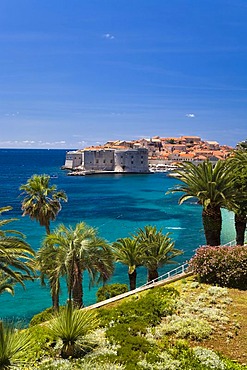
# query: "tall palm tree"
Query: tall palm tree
78,250
42,202
158,249
16,262
238,165
213,187
128,252
47,262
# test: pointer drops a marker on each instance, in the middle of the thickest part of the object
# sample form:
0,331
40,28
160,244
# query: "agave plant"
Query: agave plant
71,326
13,345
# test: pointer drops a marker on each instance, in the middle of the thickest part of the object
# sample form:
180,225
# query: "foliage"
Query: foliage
225,266
127,323
71,326
16,256
41,201
213,188
157,249
42,345
6,284
208,358
187,326
147,309
13,345
43,316
76,250
130,342
111,290
130,253
238,164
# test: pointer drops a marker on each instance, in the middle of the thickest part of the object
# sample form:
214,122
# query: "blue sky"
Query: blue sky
75,73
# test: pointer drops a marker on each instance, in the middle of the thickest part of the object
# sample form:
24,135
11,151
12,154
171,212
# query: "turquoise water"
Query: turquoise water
115,204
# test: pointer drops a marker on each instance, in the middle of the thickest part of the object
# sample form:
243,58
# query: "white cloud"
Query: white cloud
11,114
108,36
190,115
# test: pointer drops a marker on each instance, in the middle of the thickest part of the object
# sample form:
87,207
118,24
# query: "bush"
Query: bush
225,266
188,326
148,309
127,323
42,317
109,291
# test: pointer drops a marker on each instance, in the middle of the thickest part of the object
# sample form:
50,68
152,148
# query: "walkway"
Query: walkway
169,277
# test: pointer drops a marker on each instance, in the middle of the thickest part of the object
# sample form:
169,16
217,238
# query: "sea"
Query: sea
116,205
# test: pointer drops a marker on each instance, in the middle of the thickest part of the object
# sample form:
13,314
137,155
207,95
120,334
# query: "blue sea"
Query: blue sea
117,205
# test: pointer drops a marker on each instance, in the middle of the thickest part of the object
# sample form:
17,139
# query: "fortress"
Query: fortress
95,160
140,156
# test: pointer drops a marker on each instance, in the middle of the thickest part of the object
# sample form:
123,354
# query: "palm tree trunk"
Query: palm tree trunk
47,228
132,280
240,227
55,302
152,275
212,222
77,292
55,289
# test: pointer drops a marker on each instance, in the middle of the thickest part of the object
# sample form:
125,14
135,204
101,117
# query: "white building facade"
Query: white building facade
108,160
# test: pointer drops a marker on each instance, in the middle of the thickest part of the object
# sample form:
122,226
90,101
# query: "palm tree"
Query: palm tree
6,284
238,166
16,261
71,326
78,250
128,252
13,345
158,249
46,263
213,187
42,201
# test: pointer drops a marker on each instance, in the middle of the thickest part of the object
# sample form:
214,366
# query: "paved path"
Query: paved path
141,289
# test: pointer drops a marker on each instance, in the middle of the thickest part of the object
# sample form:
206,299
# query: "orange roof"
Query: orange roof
187,155
202,157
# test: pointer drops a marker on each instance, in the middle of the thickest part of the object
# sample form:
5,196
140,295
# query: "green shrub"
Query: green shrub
109,291
225,266
187,326
148,309
42,317
127,324
42,344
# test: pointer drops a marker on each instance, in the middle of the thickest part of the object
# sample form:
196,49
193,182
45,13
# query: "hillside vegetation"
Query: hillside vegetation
183,326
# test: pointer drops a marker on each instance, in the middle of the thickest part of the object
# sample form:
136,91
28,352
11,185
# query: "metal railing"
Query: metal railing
182,269
233,243
177,271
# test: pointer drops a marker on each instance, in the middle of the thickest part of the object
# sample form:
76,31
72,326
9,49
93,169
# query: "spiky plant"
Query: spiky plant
71,326
13,345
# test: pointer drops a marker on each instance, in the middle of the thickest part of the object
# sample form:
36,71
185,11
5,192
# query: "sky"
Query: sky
75,73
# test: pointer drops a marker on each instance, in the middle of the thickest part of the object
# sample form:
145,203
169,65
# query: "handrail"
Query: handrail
181,269
232,243
178,270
